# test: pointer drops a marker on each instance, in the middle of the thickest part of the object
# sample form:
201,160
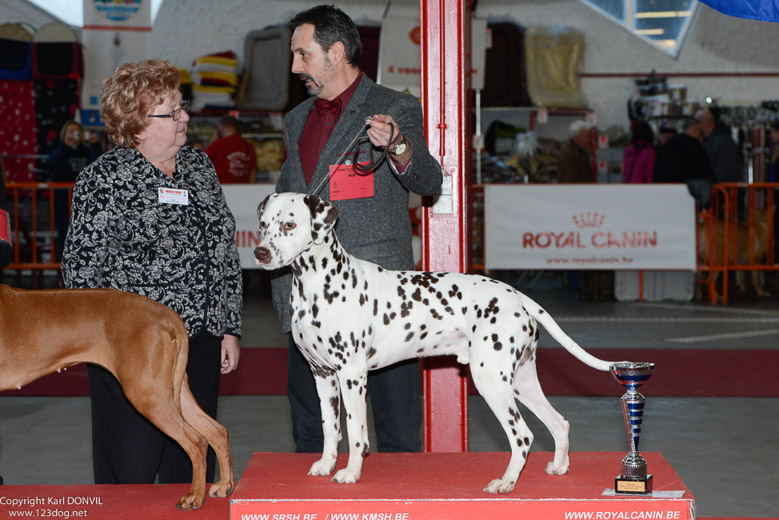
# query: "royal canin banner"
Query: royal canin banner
599,226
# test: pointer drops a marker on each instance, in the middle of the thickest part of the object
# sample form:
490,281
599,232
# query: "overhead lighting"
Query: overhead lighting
664,14
650,32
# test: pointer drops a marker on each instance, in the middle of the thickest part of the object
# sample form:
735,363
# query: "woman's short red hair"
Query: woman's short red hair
129,95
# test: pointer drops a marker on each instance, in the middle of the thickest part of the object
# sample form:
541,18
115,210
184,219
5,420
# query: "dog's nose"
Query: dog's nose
262,254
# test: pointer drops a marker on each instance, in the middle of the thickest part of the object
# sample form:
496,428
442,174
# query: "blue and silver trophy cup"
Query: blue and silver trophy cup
633,478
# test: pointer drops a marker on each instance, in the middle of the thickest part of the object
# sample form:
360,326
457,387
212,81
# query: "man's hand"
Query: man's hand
379,135
379,131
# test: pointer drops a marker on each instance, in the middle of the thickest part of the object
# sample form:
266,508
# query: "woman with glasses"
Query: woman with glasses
149,217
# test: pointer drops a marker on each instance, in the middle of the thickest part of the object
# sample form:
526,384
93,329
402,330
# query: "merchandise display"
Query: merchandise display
215,81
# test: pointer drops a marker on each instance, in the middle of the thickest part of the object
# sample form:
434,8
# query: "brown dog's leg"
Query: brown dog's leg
169,419
217,437
157,396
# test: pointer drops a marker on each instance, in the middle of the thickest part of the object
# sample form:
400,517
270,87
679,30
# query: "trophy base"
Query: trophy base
633,486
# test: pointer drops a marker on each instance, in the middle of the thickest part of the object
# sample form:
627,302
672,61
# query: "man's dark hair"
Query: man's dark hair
332,25
229,121
716,112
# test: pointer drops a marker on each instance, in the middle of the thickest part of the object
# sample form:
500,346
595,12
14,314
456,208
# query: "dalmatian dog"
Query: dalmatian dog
350,316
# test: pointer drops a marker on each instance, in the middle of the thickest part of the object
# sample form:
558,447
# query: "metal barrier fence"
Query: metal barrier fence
34,223
736,233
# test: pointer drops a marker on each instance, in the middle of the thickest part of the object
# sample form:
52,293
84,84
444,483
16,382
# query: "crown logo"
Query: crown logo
588,219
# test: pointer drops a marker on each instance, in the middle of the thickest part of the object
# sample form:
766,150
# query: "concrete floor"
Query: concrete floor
724,449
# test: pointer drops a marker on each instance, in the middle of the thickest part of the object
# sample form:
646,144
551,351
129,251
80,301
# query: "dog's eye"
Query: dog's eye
289,226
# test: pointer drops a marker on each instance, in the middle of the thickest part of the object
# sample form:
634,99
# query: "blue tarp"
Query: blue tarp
764,10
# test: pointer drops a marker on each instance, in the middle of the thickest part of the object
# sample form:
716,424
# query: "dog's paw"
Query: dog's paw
322,468
191,501
221,489
500,486
556,469
345,476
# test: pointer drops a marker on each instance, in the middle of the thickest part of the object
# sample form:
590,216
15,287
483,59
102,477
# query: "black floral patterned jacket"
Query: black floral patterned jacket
129,234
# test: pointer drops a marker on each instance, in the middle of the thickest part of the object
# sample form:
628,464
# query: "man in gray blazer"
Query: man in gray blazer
373,222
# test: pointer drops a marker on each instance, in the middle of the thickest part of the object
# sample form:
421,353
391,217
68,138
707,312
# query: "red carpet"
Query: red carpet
678,373
449,485
450,476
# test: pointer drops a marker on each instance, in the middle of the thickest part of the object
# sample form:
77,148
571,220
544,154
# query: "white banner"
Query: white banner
243,199
400,54
113,33
606,226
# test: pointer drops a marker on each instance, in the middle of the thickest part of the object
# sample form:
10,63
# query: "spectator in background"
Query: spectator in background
233,156
722,150
574,166
68,158
683,156
639,162
774,165
683,159
574,163
666,131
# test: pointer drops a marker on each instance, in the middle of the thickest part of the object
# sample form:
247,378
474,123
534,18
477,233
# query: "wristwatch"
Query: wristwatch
399,148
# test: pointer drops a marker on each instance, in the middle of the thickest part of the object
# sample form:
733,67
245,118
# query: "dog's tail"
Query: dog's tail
557,333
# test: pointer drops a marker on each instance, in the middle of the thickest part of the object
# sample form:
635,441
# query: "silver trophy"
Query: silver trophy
633,478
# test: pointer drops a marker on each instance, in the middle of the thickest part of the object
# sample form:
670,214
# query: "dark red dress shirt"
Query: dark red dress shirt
319,126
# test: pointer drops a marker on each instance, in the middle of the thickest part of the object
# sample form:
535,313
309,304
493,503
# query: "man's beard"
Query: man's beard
313,88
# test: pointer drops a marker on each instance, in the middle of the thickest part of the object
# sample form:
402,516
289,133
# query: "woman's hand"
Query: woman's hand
231,353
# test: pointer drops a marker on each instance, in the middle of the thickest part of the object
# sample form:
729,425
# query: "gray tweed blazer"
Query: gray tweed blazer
377,228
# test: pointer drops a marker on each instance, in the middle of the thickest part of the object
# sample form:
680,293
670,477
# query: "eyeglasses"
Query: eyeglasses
176,114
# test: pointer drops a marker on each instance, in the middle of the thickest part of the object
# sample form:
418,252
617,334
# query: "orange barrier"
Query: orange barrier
33,223
736,234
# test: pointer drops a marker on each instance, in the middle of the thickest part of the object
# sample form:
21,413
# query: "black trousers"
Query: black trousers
126,447
396,402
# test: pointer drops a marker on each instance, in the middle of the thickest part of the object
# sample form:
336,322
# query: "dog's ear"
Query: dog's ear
323,217
261,207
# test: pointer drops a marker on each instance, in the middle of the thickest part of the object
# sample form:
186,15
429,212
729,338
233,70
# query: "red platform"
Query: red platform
417,486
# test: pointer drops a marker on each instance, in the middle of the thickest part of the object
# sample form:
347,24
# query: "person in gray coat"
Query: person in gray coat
374,222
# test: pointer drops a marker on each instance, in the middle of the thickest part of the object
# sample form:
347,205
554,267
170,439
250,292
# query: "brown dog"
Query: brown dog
140,341
759,241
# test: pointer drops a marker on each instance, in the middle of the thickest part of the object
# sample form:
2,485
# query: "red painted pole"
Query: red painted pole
445,26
